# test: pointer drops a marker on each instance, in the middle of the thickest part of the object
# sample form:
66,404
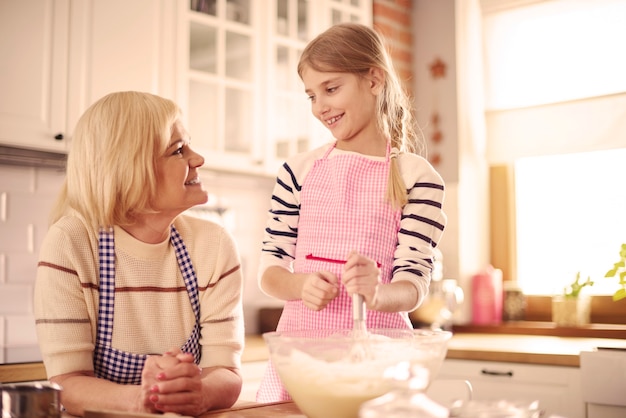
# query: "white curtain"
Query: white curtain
597,123
555,75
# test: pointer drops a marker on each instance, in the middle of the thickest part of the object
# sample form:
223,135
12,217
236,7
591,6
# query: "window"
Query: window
556,106
554,51
570,217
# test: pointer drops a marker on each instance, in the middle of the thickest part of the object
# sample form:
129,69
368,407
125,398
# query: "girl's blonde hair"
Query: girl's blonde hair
111,166
356,48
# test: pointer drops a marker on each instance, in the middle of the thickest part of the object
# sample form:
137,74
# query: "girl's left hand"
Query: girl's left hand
179,387
361,275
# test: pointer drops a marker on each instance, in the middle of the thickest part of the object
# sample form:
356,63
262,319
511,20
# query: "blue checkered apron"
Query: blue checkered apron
116,365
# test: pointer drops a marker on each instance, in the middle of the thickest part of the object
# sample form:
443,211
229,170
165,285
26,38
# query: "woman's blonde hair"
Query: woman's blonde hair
111,165
356,48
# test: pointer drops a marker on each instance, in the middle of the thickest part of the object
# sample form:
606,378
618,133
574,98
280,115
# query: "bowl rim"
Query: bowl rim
438,335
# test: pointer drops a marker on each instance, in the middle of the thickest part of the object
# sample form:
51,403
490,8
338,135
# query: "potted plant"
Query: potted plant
572,308
619,270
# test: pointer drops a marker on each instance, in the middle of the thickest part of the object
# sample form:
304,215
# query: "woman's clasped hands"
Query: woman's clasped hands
171,383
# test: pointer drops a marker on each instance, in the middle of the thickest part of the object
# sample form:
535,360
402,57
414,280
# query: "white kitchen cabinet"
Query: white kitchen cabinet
34,45
557,388
59,56
243,102
603,376
230,64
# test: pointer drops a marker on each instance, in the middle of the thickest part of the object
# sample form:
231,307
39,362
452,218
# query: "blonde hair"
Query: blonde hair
355,48
111,165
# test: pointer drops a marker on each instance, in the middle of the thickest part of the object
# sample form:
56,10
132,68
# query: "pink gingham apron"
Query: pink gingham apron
116,365
343,207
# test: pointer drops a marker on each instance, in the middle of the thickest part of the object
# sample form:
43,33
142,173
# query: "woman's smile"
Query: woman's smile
193,181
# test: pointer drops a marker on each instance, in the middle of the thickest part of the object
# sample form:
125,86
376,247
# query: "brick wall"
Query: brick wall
392,18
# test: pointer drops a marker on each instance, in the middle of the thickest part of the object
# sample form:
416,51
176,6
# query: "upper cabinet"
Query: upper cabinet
34,43
59,56
243,102
229,64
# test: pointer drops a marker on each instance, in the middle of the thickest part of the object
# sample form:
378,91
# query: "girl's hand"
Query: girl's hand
319,289
361,275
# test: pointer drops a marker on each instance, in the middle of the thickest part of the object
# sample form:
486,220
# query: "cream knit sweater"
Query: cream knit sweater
152,308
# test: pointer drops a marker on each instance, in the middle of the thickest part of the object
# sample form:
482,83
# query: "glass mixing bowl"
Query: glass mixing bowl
319,370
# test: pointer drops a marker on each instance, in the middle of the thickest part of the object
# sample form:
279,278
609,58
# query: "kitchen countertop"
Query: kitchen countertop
247,410
274,410
527,349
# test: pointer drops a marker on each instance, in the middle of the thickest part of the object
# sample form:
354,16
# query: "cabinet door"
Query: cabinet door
291,127
220,54
289,121
59,56
243,102
556,388
33,73
119,45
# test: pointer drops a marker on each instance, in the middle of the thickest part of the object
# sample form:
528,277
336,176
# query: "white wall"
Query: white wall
447,29
26,196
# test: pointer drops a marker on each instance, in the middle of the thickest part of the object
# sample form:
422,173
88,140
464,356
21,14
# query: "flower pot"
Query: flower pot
571,311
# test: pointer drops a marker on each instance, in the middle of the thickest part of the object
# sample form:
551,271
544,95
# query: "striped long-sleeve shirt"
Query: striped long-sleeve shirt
421,226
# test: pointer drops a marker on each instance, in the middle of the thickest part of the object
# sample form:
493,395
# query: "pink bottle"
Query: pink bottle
487,297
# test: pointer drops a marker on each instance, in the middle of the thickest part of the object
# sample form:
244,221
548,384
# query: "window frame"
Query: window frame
503,252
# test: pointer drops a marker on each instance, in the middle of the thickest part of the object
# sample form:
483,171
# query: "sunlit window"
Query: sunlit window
554,51
555,88
571,217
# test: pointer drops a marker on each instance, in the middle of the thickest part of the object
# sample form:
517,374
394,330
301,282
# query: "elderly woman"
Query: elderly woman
138,306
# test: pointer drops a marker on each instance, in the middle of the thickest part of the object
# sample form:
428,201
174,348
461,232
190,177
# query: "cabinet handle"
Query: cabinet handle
496,373
58,137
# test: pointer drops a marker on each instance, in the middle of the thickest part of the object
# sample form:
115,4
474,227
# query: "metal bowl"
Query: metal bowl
30,400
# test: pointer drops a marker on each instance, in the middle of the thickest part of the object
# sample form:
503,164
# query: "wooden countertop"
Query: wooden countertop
527,349
258,410
247,410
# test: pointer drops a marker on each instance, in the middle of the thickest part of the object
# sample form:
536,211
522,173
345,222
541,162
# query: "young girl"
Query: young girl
361,215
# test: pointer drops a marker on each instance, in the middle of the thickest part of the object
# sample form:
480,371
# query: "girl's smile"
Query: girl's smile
344,103
332,120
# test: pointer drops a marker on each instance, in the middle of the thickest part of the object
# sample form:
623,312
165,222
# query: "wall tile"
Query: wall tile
17,179
2,330
20,330
3,268
21,354
16,299
48,182
2,339
15,238
28,208
21,268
